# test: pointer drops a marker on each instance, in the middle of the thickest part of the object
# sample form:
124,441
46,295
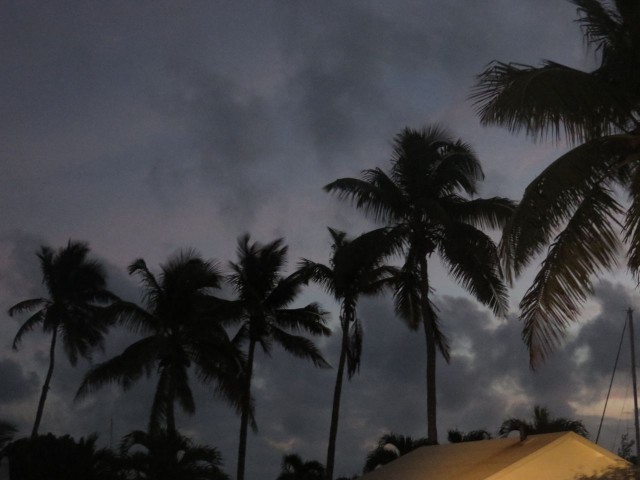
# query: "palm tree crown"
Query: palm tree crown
390,447
169,456
424,200
543,422
264,296
181,331
571,206
356,270
293,467
77,289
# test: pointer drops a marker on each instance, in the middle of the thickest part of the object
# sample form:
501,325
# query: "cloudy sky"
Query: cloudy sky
148,127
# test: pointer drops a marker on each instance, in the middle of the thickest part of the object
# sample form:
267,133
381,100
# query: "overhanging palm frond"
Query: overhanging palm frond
484,213
549,99
472,259
27,306
32,322
309,319
132,316
587,245
632,223
299,347
382,203
136,360
551,199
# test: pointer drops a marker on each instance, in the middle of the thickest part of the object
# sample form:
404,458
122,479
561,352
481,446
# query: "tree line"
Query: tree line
425,204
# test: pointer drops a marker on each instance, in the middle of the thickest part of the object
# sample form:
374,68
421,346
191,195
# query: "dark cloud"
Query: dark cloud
145,127
16,384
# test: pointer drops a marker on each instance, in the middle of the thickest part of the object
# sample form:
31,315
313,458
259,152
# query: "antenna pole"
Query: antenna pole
635,387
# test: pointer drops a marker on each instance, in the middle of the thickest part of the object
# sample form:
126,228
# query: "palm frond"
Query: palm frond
549,99
587,245
183,393
484,213
311,318
473,261
27,306
354,347
375,194
632,224
32,322
551,199
299,347
136,360
152,291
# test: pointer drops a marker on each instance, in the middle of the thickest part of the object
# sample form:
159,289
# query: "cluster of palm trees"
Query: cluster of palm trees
425,204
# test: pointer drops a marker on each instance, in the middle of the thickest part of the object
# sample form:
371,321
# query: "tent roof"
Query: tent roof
556,456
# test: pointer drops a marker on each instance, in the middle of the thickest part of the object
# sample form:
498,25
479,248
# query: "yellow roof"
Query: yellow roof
551,456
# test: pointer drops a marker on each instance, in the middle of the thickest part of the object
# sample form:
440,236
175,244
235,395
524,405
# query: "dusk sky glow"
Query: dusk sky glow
148,127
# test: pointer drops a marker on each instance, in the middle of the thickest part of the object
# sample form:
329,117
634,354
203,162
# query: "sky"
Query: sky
148,127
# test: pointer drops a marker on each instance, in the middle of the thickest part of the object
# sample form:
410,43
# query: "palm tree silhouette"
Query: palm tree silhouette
356,269
77,288
168,455
390,447
422,199
570,210
543,422
263,297
181,331
295,468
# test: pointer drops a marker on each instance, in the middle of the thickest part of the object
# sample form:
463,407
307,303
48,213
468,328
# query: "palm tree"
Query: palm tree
77,288
543,422
423,200
390,447
169,456
181,330
295,468
571,206
263,296
456,436
356,269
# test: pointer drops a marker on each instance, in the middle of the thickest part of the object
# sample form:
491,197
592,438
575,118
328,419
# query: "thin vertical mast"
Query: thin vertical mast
635,387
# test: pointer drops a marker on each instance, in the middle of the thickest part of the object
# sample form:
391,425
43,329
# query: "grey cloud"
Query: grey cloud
16,384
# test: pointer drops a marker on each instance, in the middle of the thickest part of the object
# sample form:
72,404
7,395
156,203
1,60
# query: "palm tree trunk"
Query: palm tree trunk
335,412
170,413
429,333
47,381
246,407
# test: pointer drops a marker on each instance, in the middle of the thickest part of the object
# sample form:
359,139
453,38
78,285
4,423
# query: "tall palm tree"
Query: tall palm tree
263,296
390,447
77,289
424,201
543,422
571,209
356,269
295,468
168,455
180,331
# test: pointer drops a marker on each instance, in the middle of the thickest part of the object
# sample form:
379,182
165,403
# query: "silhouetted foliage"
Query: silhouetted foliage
59,458
390,447
293,467
571,211
167,455
77,287
424,200
626,448
264,296
456,436
543,422
183,331
356,270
